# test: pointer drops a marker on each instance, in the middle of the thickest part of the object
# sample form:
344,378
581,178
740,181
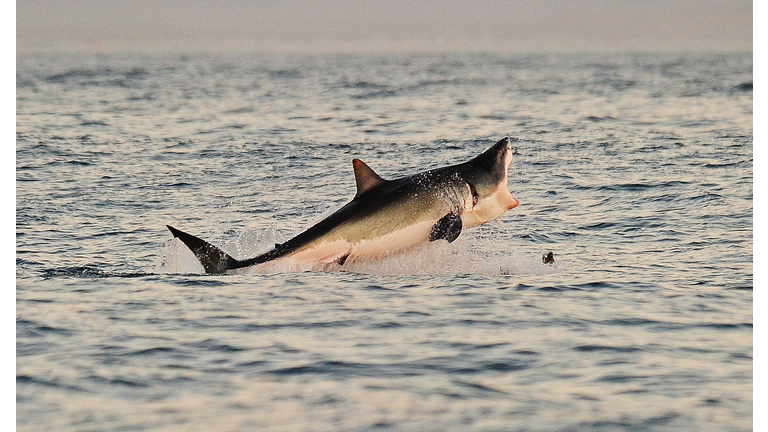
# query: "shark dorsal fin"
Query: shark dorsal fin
365,177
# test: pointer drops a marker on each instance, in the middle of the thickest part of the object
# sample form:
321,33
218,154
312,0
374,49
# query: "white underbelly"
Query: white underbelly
332,251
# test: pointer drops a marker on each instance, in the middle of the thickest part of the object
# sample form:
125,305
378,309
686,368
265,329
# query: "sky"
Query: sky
383,26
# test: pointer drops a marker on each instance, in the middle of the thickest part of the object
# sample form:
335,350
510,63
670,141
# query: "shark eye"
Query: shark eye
472,190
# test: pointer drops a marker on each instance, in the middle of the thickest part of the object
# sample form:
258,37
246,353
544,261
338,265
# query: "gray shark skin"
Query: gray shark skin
389,216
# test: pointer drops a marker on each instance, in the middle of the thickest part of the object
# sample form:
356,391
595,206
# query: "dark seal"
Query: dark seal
548,258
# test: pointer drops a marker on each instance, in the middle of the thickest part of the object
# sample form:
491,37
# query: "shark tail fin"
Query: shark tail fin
213,259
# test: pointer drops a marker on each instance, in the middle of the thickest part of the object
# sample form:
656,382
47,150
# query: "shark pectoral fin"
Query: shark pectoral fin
213,259
365,177
447,228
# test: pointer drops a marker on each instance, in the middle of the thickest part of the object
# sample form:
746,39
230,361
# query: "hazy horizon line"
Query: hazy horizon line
394,49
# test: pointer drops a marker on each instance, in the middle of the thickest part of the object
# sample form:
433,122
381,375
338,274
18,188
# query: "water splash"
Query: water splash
469,255
178,259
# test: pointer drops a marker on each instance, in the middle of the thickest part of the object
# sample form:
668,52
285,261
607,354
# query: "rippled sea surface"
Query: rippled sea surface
634,170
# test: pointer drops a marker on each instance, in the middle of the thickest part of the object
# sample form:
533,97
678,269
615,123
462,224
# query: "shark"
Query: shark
386,217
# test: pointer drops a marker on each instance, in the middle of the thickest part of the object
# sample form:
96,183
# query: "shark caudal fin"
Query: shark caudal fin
213,259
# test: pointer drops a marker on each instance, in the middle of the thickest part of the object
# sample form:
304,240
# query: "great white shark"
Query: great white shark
389,216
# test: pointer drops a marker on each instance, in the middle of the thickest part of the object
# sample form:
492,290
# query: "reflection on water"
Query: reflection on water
635,171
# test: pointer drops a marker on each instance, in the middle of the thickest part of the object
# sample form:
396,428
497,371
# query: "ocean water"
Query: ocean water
634,170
